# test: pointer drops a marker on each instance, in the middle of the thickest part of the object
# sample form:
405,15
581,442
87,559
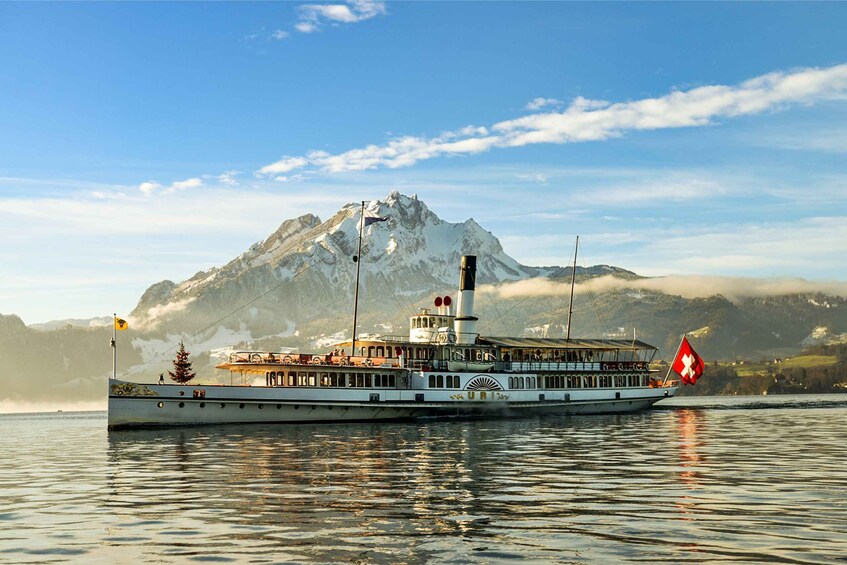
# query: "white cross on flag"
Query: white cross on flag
688,364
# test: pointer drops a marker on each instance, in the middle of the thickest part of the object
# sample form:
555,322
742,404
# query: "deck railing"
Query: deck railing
270,358
536,366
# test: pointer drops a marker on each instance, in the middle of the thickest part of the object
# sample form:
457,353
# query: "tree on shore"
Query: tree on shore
182,366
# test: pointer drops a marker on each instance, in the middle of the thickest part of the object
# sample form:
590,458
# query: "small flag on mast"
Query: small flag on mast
688,364
120,324
372,218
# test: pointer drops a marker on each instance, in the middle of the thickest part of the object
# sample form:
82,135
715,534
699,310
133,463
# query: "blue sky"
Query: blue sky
144,141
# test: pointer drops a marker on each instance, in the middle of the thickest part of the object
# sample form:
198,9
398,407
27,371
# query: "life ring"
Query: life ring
442,338
255,357
286,359
368,363
316,360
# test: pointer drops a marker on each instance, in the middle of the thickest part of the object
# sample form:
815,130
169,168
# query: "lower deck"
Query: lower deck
386,378
132,404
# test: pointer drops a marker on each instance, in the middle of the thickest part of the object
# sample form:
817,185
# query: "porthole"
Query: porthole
182,404
202,405
297,407
329,407
223,405
261,406
278,406
241,405
161,405
314,407
182,393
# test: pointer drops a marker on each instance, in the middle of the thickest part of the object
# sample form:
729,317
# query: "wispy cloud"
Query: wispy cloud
540,178
591,120
228,178
185,184
690,286
155,314
290,178
150,187
279,34
284,165
539,103
178,213
748,246
824,140
315,16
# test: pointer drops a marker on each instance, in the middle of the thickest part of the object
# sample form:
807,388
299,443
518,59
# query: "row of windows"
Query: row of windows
573,355
388,352
549,356
429,322
594,381
376,380
521,382
332,380
241,405
441,381
474,355
553,381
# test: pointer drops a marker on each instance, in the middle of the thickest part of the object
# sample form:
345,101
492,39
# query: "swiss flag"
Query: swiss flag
688,364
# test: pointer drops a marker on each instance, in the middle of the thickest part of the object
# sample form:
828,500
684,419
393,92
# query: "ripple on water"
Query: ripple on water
741,480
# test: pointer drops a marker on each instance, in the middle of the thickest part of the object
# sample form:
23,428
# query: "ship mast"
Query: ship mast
114,345
573,283
357,258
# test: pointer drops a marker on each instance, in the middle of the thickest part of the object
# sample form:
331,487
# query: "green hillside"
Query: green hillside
820,370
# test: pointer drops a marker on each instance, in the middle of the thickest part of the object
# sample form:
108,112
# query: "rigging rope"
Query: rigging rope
500,317
593,298
397,297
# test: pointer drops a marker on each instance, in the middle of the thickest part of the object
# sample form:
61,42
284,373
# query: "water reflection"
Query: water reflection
689,422
687,484
388,492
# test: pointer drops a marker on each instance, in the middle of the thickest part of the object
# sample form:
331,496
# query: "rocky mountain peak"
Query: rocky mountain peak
413,252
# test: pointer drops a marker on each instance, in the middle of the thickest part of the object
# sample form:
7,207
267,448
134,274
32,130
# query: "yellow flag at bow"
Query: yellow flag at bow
120,324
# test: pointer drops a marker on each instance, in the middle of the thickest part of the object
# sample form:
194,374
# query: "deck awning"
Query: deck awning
550,343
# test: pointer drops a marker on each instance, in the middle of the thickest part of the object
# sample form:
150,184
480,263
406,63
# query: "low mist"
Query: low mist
686,286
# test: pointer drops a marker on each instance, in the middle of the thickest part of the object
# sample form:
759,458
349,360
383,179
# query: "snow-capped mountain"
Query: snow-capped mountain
304,271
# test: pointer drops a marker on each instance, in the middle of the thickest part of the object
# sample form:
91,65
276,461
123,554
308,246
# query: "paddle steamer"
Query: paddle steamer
443,368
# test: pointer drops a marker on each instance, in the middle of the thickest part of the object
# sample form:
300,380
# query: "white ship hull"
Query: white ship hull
165,405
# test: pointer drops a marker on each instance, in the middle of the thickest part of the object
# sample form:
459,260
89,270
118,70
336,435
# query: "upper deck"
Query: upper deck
489,354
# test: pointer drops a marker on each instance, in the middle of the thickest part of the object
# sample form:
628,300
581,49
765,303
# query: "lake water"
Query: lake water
745,480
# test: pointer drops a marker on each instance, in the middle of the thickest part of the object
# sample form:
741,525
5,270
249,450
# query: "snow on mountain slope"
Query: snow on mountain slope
413,253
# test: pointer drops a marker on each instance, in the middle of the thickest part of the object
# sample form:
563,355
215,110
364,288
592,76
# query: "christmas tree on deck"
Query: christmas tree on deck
182,366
